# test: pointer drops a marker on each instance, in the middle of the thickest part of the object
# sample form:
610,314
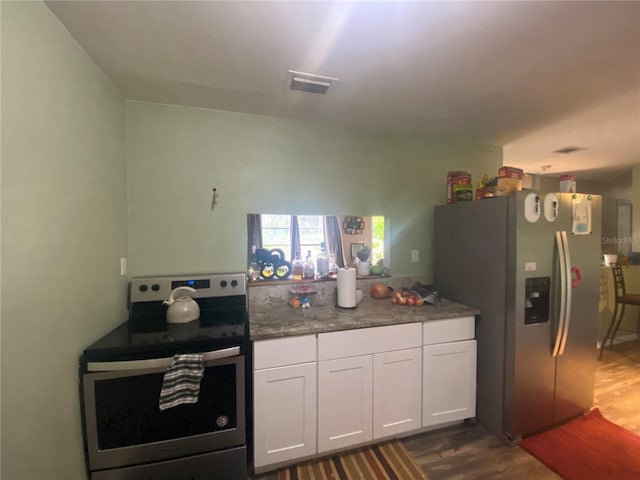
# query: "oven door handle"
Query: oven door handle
156,362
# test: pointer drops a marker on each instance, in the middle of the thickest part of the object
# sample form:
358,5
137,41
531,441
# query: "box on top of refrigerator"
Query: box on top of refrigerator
511,172
457,189
507,186
568,184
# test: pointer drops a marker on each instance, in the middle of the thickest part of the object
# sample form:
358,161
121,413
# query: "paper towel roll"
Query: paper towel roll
346,288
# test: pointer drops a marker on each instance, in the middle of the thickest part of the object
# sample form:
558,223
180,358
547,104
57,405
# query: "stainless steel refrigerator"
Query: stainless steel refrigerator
530,263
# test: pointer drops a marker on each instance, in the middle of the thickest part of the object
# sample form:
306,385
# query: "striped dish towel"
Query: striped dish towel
181,382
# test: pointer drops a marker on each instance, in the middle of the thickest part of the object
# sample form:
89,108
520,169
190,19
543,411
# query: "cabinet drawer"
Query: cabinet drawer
279,352
350,343
448,330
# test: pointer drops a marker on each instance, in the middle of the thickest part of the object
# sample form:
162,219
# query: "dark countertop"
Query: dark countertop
281,320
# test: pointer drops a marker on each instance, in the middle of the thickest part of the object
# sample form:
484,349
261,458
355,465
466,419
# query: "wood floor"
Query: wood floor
470,452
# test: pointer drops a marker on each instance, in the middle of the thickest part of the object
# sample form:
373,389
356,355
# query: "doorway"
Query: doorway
624,238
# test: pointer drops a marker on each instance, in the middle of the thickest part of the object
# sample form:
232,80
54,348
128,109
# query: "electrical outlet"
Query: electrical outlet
123,266
415,255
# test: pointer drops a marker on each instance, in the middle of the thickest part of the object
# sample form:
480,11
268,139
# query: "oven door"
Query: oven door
123,422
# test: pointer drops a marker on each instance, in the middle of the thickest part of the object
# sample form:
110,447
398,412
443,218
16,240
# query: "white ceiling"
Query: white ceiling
534,76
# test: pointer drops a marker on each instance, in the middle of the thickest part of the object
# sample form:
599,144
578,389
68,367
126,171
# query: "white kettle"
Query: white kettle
183,309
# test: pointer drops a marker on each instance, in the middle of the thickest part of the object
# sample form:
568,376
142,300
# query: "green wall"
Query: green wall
63,232
177,155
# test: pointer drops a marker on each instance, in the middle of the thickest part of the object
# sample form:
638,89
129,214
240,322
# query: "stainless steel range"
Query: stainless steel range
127,436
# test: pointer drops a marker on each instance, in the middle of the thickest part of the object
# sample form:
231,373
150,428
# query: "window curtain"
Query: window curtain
254,232
295,237
334,239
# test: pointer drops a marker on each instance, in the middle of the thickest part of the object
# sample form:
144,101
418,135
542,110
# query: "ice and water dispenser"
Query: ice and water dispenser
536,308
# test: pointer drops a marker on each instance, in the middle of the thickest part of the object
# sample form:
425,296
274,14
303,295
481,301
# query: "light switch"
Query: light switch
415,255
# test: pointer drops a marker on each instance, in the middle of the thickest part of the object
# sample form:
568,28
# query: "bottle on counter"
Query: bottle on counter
297,271
322,261
333,266
308,268
253,271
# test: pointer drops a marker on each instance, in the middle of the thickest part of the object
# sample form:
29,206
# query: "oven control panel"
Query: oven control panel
148,289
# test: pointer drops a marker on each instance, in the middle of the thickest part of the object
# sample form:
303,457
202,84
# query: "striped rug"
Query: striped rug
385,461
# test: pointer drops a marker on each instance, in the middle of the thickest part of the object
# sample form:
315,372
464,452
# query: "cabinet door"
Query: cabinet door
397,393
284,413
345,391
449,382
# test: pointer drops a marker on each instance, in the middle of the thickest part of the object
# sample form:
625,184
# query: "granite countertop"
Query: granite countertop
281,320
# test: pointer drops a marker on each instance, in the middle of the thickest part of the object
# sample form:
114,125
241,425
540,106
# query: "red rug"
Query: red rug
588,447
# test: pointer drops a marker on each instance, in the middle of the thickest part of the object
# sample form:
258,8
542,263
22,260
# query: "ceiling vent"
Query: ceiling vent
568,150
307,82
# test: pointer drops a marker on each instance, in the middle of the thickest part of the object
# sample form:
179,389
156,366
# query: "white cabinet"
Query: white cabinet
315,394
368,384
449,371
285,399
396,392
345,390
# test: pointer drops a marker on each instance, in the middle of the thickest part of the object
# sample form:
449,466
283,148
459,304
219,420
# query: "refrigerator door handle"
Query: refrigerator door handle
563,293
567,315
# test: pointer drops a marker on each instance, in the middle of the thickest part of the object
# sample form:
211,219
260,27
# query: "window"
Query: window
276,233
311,229
377,239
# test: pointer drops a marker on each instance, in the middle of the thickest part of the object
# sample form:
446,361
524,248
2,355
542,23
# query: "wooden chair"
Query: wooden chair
622,299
